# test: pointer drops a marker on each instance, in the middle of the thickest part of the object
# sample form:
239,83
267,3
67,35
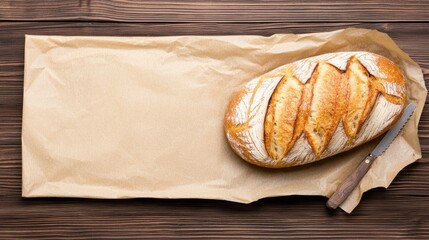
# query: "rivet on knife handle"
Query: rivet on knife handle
350,183
354,179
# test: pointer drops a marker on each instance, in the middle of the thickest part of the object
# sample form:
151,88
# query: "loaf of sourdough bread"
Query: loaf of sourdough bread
314,108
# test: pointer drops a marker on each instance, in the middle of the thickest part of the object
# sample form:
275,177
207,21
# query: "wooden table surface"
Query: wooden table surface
400,211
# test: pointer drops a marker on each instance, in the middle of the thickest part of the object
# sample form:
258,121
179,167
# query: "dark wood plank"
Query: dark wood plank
215,11
277,218
408,36
294,217
399,212
411,37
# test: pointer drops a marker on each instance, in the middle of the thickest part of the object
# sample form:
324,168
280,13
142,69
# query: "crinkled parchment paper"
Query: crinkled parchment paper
127,117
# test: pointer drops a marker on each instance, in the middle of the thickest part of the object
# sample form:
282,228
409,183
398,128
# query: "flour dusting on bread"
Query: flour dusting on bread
314,108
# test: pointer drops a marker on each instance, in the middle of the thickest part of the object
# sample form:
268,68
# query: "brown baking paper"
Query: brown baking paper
128,117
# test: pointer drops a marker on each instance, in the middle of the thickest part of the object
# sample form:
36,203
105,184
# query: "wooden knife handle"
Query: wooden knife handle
341,194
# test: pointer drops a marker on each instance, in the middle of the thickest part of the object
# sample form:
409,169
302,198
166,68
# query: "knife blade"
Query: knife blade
394,131
341,194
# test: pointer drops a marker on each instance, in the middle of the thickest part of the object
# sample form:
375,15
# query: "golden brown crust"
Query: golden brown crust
304,108
315,107
359,96
232,129
372,97
281,116
323,117
393,77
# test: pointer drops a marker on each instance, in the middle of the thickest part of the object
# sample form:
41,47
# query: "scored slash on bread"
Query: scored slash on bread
314,108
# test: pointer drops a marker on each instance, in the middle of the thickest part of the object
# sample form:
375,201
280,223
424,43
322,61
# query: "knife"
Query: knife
341,194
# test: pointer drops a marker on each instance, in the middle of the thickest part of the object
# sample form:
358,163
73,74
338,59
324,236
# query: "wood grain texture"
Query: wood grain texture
349,184
399,212
215,11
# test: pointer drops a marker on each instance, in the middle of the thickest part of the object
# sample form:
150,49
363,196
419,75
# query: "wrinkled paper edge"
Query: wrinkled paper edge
410,129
